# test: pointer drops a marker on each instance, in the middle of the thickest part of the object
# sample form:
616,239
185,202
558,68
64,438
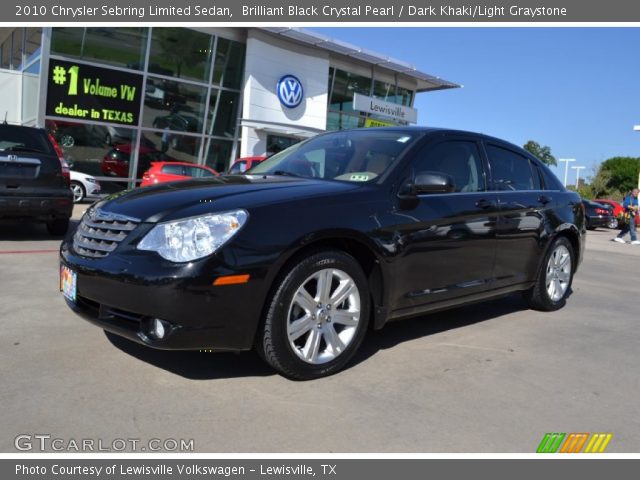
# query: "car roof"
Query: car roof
430,130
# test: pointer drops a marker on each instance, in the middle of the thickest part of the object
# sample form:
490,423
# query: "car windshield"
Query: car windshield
351,156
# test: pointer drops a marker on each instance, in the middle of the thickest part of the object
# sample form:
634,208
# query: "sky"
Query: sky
576,90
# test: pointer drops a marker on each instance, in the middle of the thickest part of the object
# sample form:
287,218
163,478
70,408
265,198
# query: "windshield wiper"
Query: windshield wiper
284,173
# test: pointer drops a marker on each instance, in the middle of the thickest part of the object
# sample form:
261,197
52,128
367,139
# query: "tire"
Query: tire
302,337
613,224
58,227
554,279
78,192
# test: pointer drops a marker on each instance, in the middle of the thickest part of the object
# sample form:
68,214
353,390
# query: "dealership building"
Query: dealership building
117,98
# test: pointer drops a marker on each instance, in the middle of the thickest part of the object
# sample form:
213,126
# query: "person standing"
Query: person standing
630,205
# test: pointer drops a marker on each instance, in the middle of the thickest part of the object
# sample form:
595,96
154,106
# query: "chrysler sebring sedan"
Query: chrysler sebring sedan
338,234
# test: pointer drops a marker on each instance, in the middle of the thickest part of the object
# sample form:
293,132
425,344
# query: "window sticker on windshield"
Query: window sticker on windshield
359,177
403,139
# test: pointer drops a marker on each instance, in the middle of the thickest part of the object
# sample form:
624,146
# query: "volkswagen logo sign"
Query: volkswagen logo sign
290,91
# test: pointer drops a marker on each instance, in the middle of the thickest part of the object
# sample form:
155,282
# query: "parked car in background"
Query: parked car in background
598,215
116,162
161,172
84,187
34,178
243,164
617,211
338,233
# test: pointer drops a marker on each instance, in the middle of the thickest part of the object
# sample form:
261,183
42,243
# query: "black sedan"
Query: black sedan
342,232
598,215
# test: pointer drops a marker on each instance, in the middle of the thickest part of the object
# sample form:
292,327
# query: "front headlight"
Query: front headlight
192,238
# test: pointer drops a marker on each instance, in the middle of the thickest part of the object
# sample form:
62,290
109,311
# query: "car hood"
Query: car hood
168,201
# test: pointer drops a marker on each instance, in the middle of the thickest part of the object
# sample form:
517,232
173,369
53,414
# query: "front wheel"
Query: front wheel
317,317
78,192
554,278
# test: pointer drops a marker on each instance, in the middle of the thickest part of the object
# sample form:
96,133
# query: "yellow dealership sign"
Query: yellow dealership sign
370,122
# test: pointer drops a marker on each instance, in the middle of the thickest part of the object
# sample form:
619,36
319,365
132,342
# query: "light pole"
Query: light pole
637,129
566,167
577,169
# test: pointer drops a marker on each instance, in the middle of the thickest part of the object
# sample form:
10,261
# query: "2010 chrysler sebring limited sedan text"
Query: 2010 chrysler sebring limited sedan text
337,234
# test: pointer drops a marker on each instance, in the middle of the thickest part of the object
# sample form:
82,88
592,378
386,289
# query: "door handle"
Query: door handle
485,204
543,199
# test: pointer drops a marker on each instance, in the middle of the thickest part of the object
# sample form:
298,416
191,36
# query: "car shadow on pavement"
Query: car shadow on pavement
202,365
395,333
28,231
196,365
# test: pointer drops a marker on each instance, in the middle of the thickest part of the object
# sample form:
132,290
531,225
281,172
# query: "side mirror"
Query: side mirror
432,182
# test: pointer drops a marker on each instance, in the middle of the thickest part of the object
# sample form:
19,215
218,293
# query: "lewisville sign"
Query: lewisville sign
379,107
84,92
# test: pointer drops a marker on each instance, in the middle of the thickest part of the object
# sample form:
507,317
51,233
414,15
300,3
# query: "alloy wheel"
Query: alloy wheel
558,273
323,316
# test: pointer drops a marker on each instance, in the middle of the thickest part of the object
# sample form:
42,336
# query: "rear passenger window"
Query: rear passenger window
459,159
172,169
197,172
512,171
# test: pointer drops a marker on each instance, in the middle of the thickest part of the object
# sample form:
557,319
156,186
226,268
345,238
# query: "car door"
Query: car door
524,205
447,239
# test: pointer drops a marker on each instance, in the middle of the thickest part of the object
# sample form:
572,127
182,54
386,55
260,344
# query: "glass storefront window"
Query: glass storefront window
277,143
97,150
341,121
6,53
122,46
384,91
404,96
180,52
16,60
30,93
344,86
226,114
217,154
228,69
33,40
170,146
174,105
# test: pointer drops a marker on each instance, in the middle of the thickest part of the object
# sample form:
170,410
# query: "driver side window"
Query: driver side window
458,159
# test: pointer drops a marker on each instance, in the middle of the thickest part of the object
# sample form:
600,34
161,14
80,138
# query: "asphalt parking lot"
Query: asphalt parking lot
493,377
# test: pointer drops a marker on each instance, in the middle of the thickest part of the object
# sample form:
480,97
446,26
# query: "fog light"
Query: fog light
158,328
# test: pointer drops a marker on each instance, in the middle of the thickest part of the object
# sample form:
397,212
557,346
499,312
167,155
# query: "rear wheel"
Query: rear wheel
317,317
58,227
554,278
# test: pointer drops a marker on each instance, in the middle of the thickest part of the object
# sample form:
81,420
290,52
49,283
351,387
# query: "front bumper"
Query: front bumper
125,291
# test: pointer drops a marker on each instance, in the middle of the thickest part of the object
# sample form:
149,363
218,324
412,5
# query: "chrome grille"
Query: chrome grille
100,233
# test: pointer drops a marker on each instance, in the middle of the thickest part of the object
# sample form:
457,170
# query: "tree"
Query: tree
543,153
622,173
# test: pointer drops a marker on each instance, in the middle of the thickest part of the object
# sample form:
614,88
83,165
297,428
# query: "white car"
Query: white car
84,187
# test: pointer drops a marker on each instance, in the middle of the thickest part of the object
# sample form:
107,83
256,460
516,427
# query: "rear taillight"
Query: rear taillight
66,175
601,211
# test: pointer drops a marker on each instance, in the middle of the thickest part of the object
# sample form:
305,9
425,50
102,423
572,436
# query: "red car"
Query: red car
617,210
116,162
161,172
243,164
